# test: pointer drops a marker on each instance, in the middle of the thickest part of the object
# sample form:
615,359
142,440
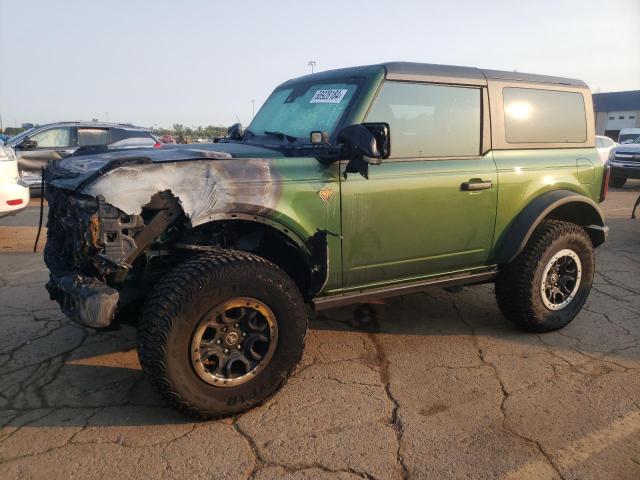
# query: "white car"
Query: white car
604,146
14,193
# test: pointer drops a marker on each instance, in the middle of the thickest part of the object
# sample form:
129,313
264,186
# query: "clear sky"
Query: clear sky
202,62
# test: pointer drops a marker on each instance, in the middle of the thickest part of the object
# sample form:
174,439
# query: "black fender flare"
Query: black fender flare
558,204
314,250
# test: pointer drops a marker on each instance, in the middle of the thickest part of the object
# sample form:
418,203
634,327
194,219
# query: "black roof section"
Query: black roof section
429,72
471,75
616,101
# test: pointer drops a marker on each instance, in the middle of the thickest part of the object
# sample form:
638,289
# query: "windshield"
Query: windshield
629,138
298,110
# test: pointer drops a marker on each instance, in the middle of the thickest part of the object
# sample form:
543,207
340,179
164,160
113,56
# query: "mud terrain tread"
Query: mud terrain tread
177,289
514,288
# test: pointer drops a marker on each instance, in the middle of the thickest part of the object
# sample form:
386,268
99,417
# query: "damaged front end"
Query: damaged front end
118,222
92,246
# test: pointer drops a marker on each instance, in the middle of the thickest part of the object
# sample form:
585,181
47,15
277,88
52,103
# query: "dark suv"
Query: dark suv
35,147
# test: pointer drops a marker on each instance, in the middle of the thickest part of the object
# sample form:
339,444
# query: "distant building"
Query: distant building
615,111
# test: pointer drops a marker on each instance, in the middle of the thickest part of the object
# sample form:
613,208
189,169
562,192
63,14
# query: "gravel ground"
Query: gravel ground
432,385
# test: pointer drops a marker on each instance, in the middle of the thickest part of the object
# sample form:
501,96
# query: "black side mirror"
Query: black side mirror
28,144
381,133
364,145
235,132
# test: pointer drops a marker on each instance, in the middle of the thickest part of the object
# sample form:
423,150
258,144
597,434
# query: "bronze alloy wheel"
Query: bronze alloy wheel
234,341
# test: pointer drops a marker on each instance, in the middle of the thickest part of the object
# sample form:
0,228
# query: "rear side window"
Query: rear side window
131,138
544,116
429,120
89,137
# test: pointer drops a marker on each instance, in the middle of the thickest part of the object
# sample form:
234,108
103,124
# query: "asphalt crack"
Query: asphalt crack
396,423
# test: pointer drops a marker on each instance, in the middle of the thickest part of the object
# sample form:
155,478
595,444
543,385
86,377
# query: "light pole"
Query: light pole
312,64
253,108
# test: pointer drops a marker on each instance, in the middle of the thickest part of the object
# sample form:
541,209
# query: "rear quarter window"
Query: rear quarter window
128,138
544,116
89,137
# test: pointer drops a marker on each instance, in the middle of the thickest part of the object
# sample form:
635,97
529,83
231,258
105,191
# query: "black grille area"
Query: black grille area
633,158
73,229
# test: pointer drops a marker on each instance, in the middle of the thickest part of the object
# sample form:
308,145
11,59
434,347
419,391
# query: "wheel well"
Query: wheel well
555,205
581,214
263,240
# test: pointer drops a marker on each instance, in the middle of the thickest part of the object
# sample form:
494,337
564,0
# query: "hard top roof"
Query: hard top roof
429,72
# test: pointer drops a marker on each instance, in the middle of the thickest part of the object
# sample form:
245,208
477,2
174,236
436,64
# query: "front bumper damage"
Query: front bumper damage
91,247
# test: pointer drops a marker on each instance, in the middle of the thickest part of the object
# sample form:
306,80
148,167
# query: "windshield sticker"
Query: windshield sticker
329,96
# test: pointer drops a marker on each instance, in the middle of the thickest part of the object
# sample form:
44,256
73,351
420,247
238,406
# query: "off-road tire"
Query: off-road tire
617,182
177,304
519,282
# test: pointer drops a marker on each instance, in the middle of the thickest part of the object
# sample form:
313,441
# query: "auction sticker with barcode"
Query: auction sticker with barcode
329,96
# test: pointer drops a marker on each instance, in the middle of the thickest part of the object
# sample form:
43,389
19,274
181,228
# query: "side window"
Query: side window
88,137
53,138
429,120
129,138
544,116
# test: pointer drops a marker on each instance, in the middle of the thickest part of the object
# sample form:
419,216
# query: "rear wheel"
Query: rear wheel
617,182
546,286
221,333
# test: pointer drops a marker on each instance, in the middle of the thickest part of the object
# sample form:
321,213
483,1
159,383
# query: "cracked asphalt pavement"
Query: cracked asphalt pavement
432,385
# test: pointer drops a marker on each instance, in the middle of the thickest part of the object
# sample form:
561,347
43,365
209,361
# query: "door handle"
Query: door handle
476,184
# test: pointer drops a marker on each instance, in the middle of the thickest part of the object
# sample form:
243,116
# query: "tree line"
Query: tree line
184,134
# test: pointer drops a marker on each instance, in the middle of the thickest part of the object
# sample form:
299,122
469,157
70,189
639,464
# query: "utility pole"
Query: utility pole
253,108
312,64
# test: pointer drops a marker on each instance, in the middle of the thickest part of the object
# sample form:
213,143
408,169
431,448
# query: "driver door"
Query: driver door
430,208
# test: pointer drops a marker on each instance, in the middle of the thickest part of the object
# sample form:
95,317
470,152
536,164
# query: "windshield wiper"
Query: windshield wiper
285,137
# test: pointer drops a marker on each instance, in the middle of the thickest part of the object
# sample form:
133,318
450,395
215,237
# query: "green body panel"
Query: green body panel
526,174
411,220
301,209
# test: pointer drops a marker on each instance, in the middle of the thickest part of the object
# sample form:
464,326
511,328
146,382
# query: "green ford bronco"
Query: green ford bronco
348,185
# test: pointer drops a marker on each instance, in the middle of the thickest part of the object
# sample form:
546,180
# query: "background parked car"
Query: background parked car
629,135
604,146
625,163
37,146
14,194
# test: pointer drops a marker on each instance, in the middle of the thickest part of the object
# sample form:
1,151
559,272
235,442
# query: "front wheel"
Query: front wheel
547,284
221,333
